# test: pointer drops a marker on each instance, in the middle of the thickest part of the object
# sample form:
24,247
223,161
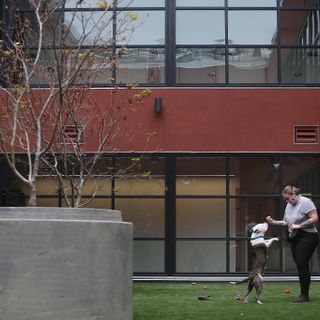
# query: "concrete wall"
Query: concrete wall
65,264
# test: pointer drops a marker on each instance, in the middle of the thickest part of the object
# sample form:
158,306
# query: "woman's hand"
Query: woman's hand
269,220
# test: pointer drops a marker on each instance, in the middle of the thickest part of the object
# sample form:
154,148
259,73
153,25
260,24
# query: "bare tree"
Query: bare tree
50,57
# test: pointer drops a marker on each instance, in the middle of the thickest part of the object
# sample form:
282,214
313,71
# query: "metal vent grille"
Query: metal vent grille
306,134
73,134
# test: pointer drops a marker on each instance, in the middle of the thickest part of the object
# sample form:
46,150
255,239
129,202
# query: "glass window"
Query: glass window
255,175
142,65
88,28
200,65
148,256
252,27
300,65
200,176
244,213
299,27
252,3
253,65
197,256
139,176
302,172
147,216
201,218
146,28
200,27
298,4
200,3
141,3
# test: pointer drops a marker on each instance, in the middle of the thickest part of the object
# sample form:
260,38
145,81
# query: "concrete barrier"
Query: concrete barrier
65,264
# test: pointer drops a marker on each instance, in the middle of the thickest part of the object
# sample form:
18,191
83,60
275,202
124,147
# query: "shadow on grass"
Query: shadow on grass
179,301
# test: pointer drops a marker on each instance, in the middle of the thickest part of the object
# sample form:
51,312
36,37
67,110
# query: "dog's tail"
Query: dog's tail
241,281
245,279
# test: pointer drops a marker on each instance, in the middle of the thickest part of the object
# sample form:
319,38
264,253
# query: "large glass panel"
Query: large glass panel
299,27
200,3
141,3
298,3
200,27
255,175
201,218
200,176
200,65
201,256
120,3
300,65
142,65
252,27
51,29
245,213
252,3
146,28
88,28
242,257
147,216
302,172
140,176
290,266
148,256
253,65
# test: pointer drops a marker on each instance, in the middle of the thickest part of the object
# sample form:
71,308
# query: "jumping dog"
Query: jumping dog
261,247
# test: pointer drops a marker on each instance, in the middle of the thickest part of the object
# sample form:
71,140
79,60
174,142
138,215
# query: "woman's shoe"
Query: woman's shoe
301,298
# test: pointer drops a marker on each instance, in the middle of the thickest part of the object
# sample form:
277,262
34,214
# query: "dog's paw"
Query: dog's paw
232,282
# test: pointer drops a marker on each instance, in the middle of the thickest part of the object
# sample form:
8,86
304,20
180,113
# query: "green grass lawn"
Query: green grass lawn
179,301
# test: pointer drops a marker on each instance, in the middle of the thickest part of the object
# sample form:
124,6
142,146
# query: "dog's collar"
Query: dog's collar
257,237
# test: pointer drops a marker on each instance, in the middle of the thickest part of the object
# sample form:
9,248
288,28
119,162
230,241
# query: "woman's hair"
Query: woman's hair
291,190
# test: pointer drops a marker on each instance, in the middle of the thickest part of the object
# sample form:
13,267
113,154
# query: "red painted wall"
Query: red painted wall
214,119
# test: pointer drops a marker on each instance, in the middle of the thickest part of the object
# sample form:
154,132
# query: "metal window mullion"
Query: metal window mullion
170,215
170,43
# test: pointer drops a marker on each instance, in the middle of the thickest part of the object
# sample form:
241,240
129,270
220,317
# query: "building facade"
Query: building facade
232,118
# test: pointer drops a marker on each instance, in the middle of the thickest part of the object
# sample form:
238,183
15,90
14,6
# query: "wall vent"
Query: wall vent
73,134
306,134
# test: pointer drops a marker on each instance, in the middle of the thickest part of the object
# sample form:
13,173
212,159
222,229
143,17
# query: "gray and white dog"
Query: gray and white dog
261,247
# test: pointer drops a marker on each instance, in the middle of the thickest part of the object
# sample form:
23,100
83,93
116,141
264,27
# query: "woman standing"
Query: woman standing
300,217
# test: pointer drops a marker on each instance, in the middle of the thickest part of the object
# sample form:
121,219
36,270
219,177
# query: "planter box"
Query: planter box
65,264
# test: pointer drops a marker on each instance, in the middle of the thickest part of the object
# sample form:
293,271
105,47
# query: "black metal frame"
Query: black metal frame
170,197
170,44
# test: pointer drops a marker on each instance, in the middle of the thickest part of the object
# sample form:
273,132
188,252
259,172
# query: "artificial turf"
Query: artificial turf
179,301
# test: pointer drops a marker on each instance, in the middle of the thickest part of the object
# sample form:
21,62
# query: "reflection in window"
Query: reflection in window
201,218
300,65
200,65
252,3
302,172
197,256
298,3
300,27
88,28
200,3
147,29
253,65
142,65
148,256
255,175
252,27
147,216
200,27
141,3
